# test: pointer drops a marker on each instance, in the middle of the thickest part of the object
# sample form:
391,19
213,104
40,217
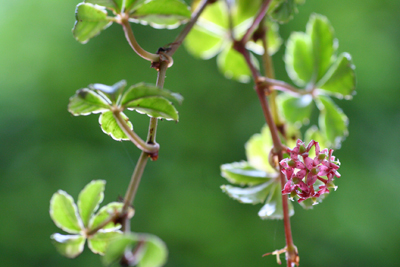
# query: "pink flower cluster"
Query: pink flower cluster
302,172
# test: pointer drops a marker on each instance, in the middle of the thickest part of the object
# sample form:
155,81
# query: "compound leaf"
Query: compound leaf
161,13
89,199
110,126
99,242
68,245
273,207
64,212
86,101
90,21
243,174
296,109
332,121
340,79
249,195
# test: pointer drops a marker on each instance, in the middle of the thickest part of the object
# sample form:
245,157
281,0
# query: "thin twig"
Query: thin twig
256,22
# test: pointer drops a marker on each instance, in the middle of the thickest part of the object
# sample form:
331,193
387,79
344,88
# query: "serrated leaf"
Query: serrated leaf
111,93
143,90
86,101
89,199
110,126
202,43
64,213
258,149
243,174
112,4
99,242
340,80
104,214
161,13
156,107
323,44
273,207
273,38
68,245
299,58
148,250
296,109
233,65
249,195
90,21
332,121
282,10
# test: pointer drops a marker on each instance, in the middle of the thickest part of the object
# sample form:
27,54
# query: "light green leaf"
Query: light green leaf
90,21
249,195
89,199
296,109
110,126
68,245
332,121
243,174
142,90
161,13
214,15
64,213
258,149
273,207
116,5
233,65
202,43
340,80
299,58
100,241
104,214
282,10
111,93
156,252
156,107
244,10
323,44
148,250
86,101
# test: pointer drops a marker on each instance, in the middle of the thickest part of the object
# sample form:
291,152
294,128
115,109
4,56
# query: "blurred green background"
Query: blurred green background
43,148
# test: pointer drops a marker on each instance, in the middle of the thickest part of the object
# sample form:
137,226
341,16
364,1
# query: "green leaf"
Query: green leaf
110,126
161,13
64,213
249,195
244,10
258,149
68,245
233,65
156,107
89,199
202,43
142,90
313,133
100,241
116,5
90,21
214,17
156,252
296,109
282,10
273,207
243,174
340,80
111,93
104,214
299,58
86,101
148,250
323,44
332,121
